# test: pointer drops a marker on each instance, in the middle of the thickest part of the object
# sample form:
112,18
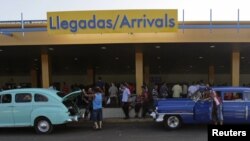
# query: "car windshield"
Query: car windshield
61,94
199,94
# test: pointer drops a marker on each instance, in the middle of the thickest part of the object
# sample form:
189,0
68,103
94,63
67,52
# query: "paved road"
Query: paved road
133,131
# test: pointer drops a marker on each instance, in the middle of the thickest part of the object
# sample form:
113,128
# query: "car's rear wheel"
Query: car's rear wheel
172,121
43,126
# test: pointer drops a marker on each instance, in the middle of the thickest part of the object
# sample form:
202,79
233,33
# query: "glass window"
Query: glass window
23,98
233,96
40,98
61,94
6,98
247,96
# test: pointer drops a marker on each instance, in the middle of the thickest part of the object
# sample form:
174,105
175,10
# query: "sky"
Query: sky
195,10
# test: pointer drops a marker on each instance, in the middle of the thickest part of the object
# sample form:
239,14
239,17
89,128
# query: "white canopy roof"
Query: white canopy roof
195,10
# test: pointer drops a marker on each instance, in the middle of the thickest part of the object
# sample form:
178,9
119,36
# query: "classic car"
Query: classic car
38,108
174,112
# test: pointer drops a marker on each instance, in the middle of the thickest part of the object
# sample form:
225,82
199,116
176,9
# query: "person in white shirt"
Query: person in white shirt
125,100
192,89
177,90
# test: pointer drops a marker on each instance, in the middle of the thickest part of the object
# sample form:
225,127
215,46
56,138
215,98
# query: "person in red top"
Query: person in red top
216,106
217,103
65,88
131,88
138,105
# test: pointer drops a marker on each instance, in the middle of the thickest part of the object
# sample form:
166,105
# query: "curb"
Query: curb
121,120
132,120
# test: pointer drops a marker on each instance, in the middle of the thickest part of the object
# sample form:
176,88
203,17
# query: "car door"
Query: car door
247,101
234,108
6,108
202,111
22,109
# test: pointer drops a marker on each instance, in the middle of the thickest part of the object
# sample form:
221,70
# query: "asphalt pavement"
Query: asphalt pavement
113,130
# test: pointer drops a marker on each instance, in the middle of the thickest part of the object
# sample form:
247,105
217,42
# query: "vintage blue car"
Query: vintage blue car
174,112
37,107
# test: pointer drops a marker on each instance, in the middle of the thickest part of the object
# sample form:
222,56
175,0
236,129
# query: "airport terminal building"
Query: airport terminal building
134,46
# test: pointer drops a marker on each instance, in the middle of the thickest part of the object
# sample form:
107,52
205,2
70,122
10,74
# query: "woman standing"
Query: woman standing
217,115
97,107
217,105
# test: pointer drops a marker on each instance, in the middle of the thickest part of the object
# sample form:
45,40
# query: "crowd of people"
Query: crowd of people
93,98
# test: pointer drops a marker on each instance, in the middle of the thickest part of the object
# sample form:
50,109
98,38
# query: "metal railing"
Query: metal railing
25,25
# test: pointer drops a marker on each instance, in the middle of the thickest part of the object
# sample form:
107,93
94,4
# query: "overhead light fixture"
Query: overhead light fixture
242,57
76,59
158,57
103,48
201,57
117,58
1,50
51,48
212,46
157,47
35,59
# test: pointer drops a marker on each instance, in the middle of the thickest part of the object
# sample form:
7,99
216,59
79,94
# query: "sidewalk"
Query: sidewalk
121,120
116,115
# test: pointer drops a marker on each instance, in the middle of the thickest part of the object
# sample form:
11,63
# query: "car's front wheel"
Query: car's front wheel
43,126
172,121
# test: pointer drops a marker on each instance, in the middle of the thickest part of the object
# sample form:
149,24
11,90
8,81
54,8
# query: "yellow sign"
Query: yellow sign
115,21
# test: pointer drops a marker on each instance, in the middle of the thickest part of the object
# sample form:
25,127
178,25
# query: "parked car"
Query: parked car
38,108
177,111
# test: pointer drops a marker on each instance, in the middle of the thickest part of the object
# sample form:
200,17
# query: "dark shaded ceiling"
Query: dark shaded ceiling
162,58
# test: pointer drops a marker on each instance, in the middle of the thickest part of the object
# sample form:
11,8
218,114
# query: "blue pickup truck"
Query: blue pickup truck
174,112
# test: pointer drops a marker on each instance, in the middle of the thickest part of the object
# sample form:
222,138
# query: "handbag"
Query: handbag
108,101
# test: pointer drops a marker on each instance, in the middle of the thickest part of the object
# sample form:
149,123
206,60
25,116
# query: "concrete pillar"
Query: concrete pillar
211,74
146,74
235,68
138,70
33,74
90,75
45,68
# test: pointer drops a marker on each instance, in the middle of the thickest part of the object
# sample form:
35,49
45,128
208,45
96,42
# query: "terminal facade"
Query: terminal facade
215,52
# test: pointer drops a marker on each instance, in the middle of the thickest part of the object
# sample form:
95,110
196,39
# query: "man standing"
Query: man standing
125,103
100,84
145,101
164,90
113,93
155,93
192,89
177,90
